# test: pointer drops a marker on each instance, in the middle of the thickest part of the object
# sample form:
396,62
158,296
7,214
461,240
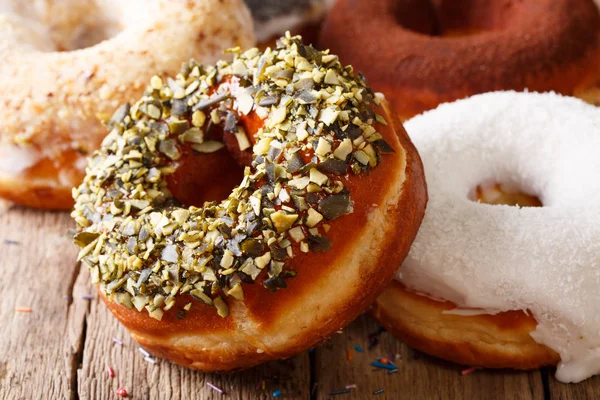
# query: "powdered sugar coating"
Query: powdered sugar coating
65,64
499,258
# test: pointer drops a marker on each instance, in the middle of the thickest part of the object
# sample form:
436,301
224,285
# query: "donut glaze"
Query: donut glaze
66,64
518,287
302,244
422,53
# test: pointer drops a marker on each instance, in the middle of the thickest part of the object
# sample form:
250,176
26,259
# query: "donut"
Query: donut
65,64
422,53
499,286
272,18
326,208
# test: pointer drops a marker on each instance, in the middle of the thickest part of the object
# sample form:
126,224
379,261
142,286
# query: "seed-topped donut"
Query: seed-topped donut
329,202
421,53
66,63
499,286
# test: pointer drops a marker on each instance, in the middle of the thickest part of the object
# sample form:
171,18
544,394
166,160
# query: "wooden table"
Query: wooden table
56,342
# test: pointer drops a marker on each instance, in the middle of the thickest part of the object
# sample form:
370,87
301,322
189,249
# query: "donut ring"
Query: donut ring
314,221
534,268
53,90
272,18
423,53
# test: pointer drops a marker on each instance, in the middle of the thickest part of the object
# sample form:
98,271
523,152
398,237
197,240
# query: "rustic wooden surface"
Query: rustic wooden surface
61,349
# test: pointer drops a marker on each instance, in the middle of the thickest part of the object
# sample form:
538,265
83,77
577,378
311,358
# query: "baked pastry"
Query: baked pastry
64,64
272,18
423,53
329,202
498,286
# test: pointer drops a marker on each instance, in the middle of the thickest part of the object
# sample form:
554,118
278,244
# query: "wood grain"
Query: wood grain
61,349
588,389
418,376
39,350
164,380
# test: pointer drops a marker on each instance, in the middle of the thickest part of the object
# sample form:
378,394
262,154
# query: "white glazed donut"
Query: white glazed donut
64,63
517,263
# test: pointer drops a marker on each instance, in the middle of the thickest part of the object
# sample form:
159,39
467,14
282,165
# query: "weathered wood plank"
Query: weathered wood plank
589,389
39,350
62,347
164,380
418,376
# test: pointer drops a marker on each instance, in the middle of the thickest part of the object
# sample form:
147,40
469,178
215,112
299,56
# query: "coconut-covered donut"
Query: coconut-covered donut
64,64
326,209
500,286
421,53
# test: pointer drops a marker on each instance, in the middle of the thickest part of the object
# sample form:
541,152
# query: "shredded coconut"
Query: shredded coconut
503,258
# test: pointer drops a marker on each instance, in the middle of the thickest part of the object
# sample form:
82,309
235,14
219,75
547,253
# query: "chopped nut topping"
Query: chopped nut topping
144,248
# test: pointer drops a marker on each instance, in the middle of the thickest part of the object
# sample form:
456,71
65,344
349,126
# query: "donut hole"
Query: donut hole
451,18
504,194
65,26
86,35
203,177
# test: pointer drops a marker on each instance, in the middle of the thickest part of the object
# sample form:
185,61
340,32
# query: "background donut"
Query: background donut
272,18
65,64
422,53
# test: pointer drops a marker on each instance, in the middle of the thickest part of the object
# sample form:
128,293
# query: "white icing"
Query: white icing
16,159
505,258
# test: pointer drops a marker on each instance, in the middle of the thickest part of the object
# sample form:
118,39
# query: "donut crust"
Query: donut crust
491,341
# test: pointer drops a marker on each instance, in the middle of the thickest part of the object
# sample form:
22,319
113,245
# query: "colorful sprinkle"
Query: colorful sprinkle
23,309
10,241
379,391
374,337
386,360
118,341
358,348
468,371
393,371
144,352
351,386
150,360
338,392
378,364
110,371
121,392
87,297
349,354
277,393
213,387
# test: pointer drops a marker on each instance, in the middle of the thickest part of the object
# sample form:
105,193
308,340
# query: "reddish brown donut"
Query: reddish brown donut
422,53
330,200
